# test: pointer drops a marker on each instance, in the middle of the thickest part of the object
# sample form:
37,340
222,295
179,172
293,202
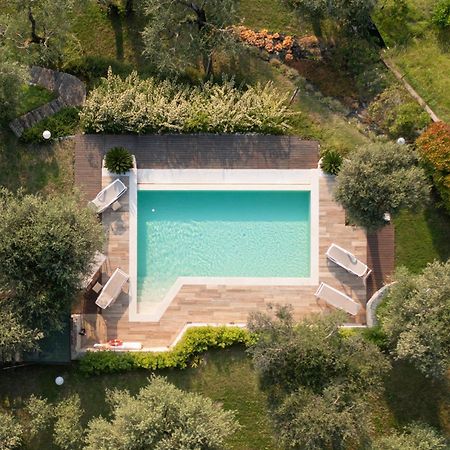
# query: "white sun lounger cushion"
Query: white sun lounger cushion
112,288
347,261
337,299
107,196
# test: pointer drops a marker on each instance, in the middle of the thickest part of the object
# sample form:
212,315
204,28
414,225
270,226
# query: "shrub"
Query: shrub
416,318
331,162
441,14
118,160
380,178
63,123
134,105
395,114
194,342
434,150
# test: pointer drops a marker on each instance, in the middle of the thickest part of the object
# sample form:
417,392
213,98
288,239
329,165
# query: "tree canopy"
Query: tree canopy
182,33
10,432
161,417
319,379
416,318
380,178
46,247
415,436
37,31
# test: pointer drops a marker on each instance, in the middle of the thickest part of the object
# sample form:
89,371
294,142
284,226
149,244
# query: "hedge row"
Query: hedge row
194,342
134,105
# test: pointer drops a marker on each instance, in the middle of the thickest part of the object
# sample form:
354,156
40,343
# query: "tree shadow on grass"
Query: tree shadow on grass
413,397
438,221
116,22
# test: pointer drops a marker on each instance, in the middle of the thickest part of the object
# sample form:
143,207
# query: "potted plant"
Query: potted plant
118,160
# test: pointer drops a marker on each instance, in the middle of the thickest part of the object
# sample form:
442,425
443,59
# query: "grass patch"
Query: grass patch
47,168
273,15
226,376
32,97
421,238
419,50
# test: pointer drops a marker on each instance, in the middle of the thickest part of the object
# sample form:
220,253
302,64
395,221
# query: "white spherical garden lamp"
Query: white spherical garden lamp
59,381
401,141
46,134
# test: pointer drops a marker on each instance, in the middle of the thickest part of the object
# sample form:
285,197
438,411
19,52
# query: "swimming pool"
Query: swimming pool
222,233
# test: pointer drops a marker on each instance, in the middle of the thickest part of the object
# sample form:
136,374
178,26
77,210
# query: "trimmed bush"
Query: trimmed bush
331,162
118,160
134,105
63,123
434,150
194,342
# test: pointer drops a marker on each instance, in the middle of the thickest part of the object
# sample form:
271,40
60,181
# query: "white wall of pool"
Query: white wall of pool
218,180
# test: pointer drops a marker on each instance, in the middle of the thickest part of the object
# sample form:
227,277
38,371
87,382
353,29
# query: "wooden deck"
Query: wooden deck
217,303
208,151
380,258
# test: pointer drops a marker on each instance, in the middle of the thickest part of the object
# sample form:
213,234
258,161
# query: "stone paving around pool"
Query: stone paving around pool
217,304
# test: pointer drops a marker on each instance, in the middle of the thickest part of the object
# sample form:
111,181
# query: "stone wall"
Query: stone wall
70,90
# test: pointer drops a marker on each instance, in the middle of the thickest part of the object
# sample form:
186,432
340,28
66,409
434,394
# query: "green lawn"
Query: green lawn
420,51
47,168
226,376
32,97
422,237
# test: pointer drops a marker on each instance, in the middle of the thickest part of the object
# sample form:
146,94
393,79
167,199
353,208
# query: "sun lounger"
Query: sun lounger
337,299
112,288
348,261
107,196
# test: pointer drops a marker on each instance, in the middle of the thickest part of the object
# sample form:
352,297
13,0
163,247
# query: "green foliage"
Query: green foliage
14,336
376,336
416,318
311,353
337,419
441,14
179,34
395,114
133,105
39,416
416,436
118,160
380,178
63,123
331,162
194,342
319,378
67,433
11,432
33,96
360,59
161,417
37,31
12,77
434,150
92,68
46,245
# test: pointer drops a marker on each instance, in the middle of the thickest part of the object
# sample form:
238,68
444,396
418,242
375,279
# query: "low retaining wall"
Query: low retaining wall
373,303
70,90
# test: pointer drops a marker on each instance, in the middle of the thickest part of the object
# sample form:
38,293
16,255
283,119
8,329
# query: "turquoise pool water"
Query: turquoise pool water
220,234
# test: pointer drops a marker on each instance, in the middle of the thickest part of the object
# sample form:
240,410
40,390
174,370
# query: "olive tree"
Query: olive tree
380,178
11,432
160,417
67,430
181,33
46,247
15,337
37,31
416,318
416,436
